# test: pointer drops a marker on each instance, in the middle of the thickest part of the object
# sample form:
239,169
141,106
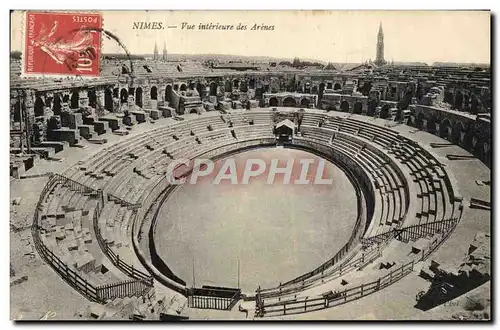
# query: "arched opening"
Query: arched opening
176,87
193,110
39,105
236,83
201,89
477,147
448,97
372,107
406,101
108,99
444,129
228,86
273,102
409,121
17,112
183,87
358,108
305,103
213,89
419,121
138,97
168,94
337,87
459,98
486,101
474,104
154,93
56,108
468,143
365,88
486,154
115,93
251,83
289,102
321,90
131,91
123,96
92,98
466,105
431,124
243,86
48,102
75,100
456,133
329,85
344,106
384,112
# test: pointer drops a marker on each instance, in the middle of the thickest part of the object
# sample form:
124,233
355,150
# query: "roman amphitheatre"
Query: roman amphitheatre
403,232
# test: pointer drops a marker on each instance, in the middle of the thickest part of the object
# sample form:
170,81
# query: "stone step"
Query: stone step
101,127
121,132
46,152
153,114
97,140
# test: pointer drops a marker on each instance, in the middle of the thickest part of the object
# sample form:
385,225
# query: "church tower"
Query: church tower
155,53
164,56
379,60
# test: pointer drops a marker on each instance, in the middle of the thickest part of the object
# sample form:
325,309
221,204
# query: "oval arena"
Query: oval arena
108,230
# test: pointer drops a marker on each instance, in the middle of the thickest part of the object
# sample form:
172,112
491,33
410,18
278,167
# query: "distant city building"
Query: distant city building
155,53
379,60
164,56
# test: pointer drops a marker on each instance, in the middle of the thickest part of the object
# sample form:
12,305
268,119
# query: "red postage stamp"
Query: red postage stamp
62,44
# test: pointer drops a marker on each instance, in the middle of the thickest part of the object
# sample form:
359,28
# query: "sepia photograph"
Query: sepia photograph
262,165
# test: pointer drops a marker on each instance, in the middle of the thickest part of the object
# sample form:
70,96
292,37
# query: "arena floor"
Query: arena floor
276,231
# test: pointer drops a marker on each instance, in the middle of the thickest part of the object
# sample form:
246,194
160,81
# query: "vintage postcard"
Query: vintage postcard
250,165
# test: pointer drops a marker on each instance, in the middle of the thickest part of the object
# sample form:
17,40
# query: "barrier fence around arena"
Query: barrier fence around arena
333,273
74,186
412,232
66,272
115,258
129,205
340,297
331,299
129,288
208,297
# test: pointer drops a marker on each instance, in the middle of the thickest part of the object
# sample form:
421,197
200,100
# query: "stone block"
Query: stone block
101,127
154,114
72,245
140,116
72,136
252,104
114,123
86,131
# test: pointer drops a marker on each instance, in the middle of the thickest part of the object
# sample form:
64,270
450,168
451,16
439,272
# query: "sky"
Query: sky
334,36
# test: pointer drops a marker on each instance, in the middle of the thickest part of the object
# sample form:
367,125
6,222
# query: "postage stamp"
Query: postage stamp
61,44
